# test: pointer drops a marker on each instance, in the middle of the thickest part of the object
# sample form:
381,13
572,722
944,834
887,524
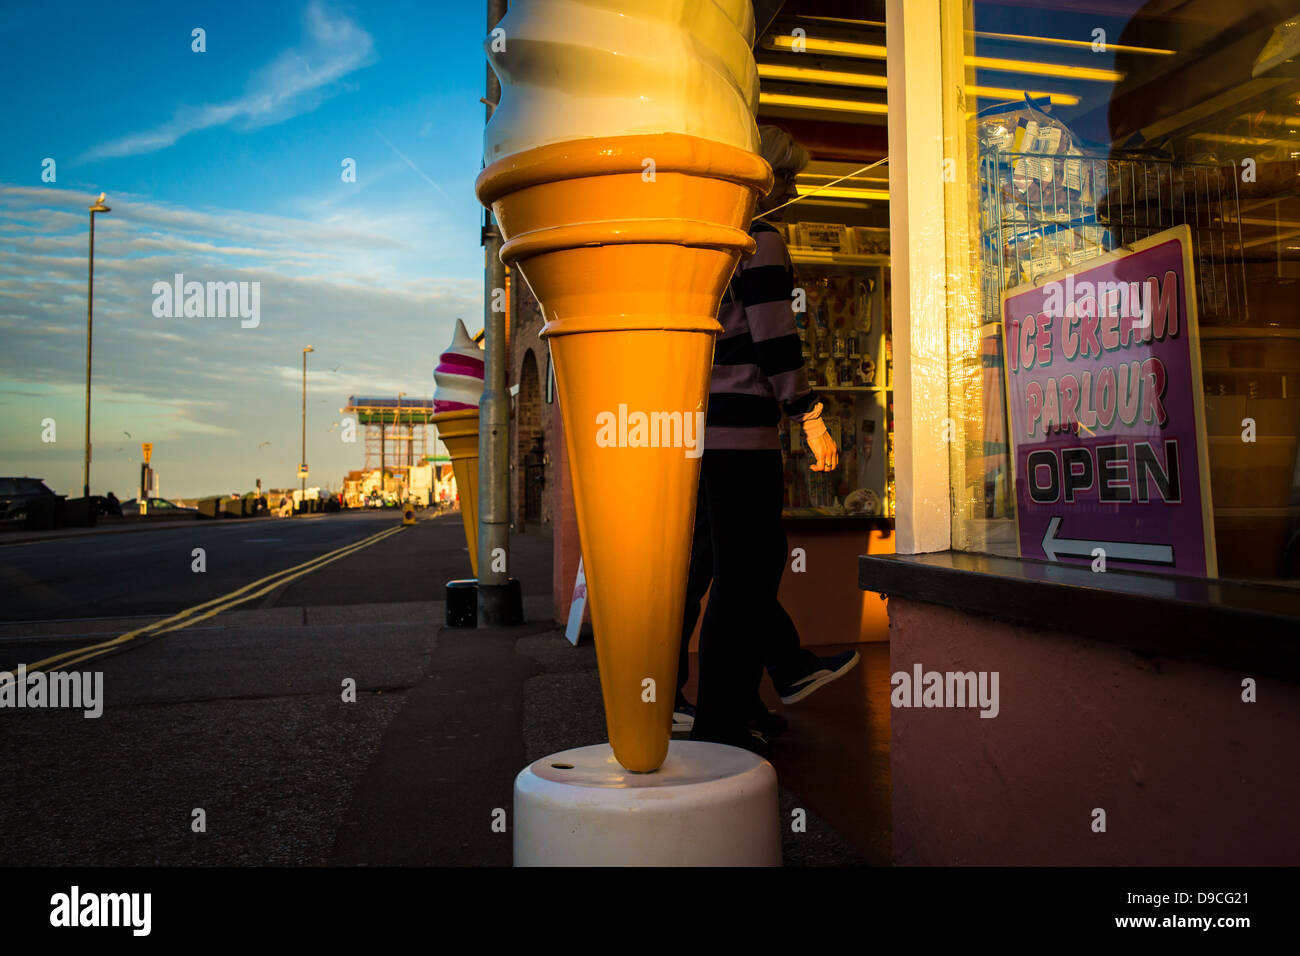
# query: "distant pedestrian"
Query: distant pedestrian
112,506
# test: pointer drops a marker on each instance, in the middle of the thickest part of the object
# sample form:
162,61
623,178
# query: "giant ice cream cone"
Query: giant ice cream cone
628,242
455,405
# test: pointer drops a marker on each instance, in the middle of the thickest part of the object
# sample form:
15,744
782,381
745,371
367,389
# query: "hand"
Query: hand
820,442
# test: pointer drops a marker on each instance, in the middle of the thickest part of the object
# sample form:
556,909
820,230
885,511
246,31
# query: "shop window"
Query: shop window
821,67
1123,304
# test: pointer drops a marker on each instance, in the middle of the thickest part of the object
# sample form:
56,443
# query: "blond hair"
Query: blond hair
780,150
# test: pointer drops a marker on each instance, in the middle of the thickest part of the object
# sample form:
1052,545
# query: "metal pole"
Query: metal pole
90,325
494,604
303,460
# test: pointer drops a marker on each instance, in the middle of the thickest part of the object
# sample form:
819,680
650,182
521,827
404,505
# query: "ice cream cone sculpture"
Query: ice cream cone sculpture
624,193
459,377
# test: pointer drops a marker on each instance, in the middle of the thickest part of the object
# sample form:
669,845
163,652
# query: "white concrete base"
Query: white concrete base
708,805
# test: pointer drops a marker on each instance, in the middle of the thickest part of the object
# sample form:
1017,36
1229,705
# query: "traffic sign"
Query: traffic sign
302,471
146,449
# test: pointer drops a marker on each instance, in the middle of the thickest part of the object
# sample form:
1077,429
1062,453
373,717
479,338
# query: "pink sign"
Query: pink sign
1105,409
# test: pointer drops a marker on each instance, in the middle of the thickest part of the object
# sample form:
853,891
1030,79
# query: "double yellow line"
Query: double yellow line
201,612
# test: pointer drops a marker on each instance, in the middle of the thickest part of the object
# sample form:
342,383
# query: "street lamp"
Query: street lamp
302,467
90,325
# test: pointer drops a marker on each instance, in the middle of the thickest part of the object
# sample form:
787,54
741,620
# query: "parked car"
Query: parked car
157,506
17,493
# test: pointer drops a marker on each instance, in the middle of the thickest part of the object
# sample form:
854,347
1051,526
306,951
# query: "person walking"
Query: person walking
739,543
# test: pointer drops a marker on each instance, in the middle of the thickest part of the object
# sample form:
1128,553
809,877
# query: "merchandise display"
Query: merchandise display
844,343
1051,204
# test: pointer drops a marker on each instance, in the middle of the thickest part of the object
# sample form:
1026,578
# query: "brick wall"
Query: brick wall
531,414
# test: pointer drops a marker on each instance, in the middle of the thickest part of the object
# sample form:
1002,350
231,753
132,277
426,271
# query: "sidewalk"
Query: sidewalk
493,700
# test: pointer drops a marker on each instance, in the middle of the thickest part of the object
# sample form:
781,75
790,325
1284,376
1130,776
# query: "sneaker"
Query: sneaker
769,723
823,672
752,740
683,718
758,744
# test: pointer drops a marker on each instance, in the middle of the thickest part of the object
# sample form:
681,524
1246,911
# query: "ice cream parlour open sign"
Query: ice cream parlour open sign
1105,408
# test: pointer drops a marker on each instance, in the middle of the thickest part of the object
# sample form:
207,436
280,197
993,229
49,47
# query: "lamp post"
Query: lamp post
302,467
90,325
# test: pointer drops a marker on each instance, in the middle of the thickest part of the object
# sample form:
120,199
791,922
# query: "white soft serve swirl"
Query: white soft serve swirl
575,69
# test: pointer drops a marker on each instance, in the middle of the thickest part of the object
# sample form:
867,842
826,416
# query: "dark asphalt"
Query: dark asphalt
151,572
242,716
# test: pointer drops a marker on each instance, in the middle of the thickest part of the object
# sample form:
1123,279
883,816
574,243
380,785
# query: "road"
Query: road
245,715
137,573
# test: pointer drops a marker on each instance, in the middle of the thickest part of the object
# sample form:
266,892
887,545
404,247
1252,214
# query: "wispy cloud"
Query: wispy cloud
331,284
418,171
295,82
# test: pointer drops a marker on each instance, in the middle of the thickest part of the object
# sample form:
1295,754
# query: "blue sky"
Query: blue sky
226,166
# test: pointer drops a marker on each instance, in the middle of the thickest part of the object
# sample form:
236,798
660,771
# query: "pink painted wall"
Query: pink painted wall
1188,774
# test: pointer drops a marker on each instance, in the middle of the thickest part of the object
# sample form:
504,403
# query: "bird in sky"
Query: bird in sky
263,444
127,434
336,367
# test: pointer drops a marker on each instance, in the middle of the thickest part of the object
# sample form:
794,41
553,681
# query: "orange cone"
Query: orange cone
628,243
459,432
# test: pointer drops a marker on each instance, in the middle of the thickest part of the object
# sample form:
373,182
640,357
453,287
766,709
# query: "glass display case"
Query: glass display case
843,322
1191,132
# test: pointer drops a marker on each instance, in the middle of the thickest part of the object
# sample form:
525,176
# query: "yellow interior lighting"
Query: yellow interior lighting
806,74
841,192
843,203
1001,93
1077,44
874,51
821,103
867,51
1044,69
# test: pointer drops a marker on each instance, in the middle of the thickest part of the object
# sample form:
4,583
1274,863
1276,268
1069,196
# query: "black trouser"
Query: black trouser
740,546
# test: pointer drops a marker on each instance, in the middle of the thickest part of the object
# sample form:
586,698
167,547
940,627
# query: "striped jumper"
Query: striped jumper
757,362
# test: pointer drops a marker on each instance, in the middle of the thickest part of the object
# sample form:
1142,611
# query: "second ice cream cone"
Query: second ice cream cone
459,432
628,243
